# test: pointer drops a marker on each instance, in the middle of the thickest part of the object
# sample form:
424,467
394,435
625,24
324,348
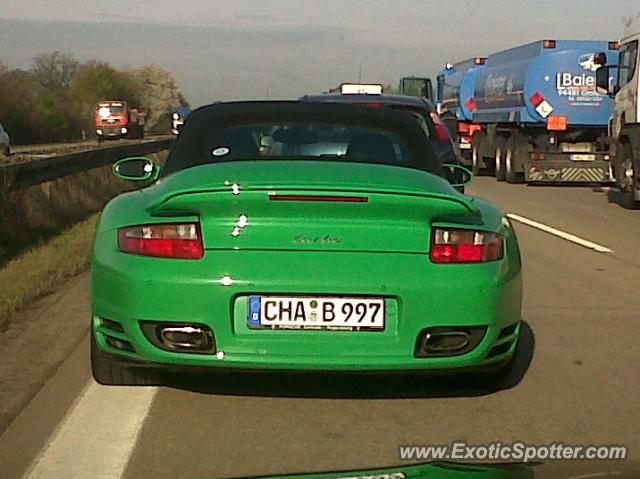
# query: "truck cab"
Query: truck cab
416,86
625,122
116,119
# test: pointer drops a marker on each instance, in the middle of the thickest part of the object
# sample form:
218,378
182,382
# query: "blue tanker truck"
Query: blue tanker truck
537,113
455,93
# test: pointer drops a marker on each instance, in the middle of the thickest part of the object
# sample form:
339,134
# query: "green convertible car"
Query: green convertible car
307,237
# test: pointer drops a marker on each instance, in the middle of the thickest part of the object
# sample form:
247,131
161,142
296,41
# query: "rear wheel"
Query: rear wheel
501,146
107,371
477,146
511,173
626,177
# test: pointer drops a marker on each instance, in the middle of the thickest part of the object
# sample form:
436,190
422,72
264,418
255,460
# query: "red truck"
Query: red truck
116,119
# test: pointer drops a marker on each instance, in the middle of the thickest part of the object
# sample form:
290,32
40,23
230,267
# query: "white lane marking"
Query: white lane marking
97,436
560,234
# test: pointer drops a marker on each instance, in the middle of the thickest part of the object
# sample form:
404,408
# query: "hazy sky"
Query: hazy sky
234,49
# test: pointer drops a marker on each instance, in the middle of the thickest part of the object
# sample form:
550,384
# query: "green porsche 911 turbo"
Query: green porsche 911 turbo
306,237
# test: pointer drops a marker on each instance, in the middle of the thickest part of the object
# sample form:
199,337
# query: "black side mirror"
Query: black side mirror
457,175
137,168
602,80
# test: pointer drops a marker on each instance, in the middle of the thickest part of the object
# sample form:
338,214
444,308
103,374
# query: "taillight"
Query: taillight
170,240
454,245
442,133
441,130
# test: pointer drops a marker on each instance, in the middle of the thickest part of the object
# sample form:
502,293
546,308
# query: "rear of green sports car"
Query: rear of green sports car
321,260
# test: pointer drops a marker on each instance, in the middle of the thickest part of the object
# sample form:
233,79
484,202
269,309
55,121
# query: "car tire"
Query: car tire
477,145
626,177
501,145
510,170
108,372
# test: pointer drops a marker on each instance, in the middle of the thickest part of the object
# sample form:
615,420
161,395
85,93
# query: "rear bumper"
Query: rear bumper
563,170
130,289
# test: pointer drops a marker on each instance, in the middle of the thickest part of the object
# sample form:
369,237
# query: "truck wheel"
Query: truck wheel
501,146
477,145
627,178
108,372
510,163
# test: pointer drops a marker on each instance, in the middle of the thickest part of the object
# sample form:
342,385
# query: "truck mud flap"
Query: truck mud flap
558,171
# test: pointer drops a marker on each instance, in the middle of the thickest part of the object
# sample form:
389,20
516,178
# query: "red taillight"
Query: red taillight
463,128
549,43
442,133
536,99
473,128
472,105
454,245
170,240
441,130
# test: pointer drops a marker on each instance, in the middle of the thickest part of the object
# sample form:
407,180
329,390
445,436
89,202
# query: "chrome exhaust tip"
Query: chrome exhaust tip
180,337
446,341
184,337
449,341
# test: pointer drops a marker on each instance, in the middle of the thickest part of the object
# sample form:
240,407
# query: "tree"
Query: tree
20,111
55,71
159,93
100,81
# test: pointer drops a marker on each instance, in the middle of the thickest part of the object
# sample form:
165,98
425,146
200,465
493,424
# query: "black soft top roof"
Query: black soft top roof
205,120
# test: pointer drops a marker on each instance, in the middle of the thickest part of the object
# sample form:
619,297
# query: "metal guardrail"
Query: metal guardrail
16,176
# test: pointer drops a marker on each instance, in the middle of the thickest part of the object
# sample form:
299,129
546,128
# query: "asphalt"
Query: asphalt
575,381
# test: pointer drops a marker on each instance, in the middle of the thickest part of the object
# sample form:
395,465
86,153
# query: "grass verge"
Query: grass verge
40,271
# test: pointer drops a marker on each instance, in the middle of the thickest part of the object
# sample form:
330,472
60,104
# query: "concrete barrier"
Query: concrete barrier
34,212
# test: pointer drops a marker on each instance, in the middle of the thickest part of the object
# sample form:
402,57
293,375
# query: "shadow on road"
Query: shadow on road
357,386
614,196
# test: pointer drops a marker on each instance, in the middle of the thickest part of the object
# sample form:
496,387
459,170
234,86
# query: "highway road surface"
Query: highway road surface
576,379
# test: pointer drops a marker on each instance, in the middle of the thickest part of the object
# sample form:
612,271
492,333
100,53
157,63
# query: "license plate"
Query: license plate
582,157
321,312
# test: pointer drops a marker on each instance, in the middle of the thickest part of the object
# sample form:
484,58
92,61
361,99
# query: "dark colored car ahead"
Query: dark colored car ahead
425,111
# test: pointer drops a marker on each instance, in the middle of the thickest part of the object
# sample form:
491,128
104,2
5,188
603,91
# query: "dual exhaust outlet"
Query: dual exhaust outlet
449,341
180,337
